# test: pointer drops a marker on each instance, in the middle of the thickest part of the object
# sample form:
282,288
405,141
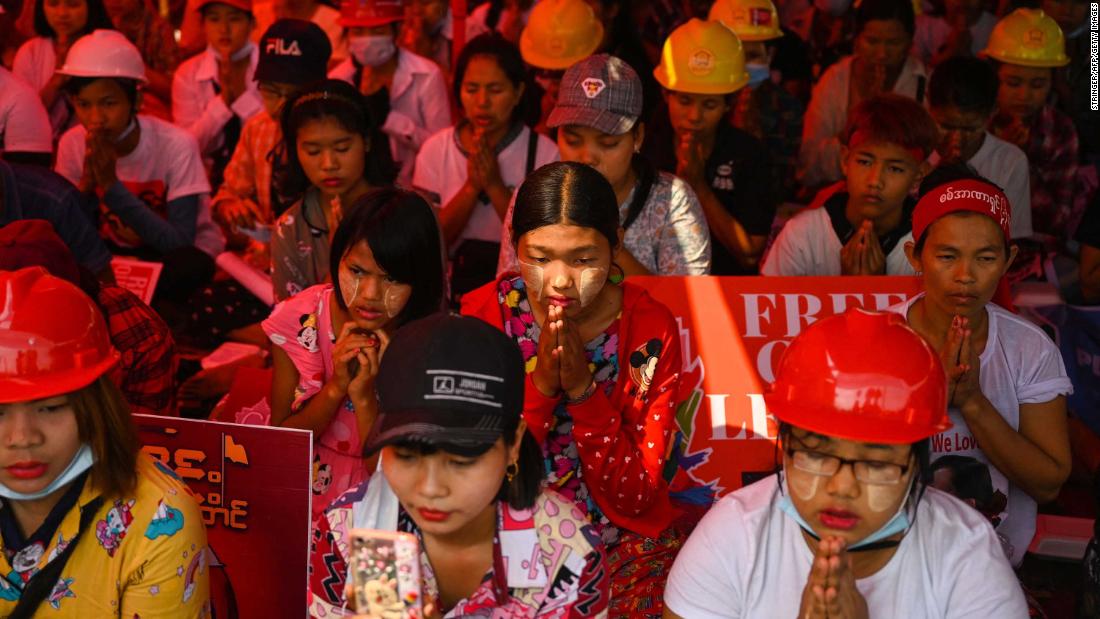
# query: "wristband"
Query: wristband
588,391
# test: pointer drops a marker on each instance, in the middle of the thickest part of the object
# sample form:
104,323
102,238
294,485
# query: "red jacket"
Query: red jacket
622,440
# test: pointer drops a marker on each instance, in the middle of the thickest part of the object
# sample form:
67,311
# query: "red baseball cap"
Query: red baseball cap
244,5
370,13
33,242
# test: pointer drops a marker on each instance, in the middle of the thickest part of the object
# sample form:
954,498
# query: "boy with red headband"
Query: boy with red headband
860,225
1006,380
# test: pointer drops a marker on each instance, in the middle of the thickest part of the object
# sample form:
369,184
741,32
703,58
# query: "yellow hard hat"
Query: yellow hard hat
750,20
704,58
559,33
1027,37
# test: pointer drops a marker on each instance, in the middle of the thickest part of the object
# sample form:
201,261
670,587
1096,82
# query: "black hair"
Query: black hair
342,102
523,490
969,477
921,452
129,88
647,176
566,192
402,232
886,10
968,84
98,19
941,175
510,61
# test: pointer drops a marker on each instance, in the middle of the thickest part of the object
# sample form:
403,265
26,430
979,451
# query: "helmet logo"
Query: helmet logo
556,46
1034,37
593,86
701,62
279,47
760,17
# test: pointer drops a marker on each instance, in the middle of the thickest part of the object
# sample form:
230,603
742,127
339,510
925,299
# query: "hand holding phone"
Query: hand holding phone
385,575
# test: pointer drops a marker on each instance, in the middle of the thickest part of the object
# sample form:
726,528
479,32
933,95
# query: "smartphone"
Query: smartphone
385,574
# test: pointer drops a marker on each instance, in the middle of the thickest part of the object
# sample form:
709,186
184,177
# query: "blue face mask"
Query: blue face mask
897,524
81,462
758,72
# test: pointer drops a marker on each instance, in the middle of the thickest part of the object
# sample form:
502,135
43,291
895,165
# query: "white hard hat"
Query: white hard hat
104,53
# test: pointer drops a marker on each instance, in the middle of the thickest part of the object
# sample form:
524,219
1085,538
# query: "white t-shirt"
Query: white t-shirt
164,166
807,245
441,171
827,114
24,123
1020,365
419,106
1005,165
749,559
35,63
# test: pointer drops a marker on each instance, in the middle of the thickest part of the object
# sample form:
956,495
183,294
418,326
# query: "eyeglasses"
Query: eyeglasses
874,472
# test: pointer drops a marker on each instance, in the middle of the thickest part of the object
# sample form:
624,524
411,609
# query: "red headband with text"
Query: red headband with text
963,195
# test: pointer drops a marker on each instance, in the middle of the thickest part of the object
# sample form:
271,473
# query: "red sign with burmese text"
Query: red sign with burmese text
253,488
733,330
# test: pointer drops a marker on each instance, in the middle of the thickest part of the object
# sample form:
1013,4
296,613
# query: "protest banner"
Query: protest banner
733,330
253,488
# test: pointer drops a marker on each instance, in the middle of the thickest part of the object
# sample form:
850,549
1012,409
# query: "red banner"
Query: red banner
732,332
253,487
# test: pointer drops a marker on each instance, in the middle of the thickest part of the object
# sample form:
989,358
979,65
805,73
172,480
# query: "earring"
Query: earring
511,472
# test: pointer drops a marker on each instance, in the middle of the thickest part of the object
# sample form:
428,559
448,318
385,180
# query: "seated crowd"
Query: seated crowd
416,201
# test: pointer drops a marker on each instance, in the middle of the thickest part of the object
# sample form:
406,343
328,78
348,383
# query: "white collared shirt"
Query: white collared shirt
197,106
419,106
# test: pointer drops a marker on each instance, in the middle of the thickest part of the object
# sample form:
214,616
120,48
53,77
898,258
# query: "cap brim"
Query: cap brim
418,427
610,123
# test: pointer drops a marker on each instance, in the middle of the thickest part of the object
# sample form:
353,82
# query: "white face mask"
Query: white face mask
372,50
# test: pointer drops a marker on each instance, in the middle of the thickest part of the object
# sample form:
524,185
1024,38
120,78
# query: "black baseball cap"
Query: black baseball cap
293,51
448,381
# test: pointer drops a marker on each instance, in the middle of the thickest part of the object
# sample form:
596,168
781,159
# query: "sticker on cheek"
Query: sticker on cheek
349,287
395,299
592,281
881,498
532,276
803,486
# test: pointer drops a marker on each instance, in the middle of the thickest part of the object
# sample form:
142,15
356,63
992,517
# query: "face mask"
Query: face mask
758,72
243,52
372,50
127,131
897,524
81,462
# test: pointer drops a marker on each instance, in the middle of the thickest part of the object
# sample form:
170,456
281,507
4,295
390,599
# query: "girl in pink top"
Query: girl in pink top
330,338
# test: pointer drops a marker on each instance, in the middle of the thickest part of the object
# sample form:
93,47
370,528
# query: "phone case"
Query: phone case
385,574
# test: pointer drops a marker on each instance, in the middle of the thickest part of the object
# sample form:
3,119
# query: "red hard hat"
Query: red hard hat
862,376
370,13
53,339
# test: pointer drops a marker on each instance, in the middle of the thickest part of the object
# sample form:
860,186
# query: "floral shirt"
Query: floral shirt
548,562
564,472
142,555
669,237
